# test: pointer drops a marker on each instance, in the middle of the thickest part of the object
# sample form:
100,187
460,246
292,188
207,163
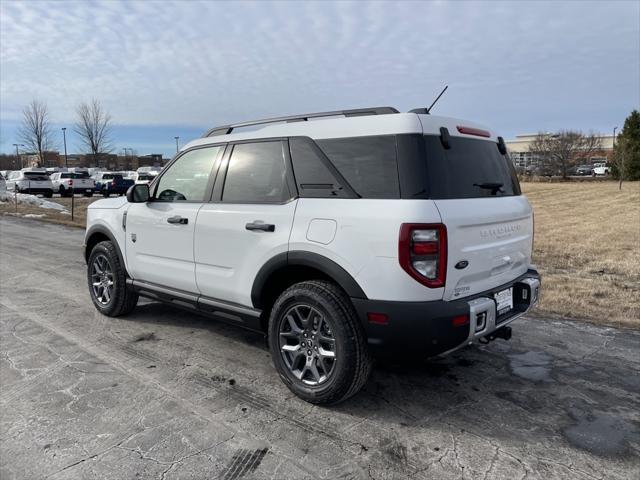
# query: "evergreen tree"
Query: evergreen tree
626,164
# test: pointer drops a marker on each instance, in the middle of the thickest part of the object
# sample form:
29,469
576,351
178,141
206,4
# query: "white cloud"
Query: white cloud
202,63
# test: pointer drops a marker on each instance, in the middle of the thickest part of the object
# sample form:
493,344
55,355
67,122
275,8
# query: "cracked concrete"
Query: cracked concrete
193,398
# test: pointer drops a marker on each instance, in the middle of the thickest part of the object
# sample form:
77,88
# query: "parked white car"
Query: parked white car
377,233
600,169
67,183
31,181
145,177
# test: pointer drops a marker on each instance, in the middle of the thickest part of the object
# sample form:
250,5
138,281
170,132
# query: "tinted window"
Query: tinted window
187,178
81,175
66,175
367,163
469,169
35,176
313,176
256,174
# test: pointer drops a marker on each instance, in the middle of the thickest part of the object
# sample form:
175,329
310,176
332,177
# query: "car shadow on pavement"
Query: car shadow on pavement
528,390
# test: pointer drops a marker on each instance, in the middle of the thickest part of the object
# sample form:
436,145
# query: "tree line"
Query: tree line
93,127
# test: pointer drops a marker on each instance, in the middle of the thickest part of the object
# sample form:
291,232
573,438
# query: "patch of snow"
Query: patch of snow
33,215
30,200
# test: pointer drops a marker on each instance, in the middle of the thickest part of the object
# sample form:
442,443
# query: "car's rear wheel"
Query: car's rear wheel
317,343
107,281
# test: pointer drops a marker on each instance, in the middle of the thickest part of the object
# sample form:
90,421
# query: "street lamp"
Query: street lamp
18,154
177,148
64,136
614,137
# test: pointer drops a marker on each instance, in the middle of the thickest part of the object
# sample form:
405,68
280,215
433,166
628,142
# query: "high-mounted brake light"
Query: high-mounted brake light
422,251
473,131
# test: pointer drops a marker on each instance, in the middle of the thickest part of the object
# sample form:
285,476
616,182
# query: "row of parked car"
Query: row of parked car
593,170
69,181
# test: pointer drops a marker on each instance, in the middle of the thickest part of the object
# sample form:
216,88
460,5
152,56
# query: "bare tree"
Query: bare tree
35,130
565,149
94,128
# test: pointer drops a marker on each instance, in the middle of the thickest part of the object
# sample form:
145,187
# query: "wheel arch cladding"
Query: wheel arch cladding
97,234
288,268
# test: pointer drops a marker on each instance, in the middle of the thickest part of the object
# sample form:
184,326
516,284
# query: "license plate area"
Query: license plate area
504,301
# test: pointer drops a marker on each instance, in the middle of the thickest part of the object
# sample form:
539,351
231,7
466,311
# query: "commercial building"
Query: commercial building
521,156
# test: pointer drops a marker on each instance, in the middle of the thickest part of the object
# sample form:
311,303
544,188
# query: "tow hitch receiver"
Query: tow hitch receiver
503,333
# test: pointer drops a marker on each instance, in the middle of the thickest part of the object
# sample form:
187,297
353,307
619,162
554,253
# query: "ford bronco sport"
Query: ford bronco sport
338,235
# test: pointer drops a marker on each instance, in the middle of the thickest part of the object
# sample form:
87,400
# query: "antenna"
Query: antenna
437,98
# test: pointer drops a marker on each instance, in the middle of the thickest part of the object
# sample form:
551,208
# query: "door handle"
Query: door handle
259,225
178,220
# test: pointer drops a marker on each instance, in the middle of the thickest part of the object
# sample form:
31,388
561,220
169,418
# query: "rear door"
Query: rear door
159,233
489,222
248,221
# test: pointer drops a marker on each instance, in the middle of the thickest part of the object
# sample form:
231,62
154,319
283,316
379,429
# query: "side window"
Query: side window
256,174
187,178
369,164
313,177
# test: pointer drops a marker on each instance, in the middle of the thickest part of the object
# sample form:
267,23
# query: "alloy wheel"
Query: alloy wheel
102,279
307,345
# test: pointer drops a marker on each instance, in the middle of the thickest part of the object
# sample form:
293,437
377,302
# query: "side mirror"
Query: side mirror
138,193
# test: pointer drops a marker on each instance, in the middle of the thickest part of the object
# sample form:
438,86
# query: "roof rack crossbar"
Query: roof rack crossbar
357,112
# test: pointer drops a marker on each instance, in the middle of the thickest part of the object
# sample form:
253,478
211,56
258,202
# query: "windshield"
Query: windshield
469,169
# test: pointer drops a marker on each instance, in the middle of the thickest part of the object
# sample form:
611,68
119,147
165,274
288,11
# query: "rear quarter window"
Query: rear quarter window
369,164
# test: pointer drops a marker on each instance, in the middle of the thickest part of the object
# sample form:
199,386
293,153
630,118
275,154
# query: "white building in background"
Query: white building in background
522,157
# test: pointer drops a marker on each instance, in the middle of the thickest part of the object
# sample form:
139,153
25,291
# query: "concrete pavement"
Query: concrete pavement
166,394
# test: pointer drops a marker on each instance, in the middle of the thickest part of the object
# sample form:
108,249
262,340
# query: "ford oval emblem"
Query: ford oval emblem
462,264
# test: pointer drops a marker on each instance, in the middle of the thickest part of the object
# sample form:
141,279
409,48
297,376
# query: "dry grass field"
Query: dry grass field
587,247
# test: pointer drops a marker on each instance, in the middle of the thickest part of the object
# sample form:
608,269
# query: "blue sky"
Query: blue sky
166,68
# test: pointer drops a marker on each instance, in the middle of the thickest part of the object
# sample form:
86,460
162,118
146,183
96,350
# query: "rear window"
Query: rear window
469,169
35,176
369,164
81,175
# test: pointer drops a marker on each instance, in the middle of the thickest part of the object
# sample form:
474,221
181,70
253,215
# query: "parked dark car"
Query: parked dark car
109,183
584,170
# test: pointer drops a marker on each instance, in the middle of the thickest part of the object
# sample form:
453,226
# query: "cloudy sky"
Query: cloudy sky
176,68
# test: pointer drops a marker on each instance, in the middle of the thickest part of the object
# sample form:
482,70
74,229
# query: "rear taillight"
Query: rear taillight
113,183
422,251
70,182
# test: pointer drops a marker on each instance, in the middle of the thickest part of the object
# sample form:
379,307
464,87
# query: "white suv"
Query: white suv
339,235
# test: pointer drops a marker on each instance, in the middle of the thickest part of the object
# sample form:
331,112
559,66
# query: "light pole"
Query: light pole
177,148
64,136
614,137
18,154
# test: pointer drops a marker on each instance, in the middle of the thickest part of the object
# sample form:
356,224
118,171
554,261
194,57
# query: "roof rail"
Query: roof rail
357,112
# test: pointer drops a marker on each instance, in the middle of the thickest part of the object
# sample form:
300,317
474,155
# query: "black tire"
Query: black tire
105,193
89,195
62,191
122,300
353,362
48,194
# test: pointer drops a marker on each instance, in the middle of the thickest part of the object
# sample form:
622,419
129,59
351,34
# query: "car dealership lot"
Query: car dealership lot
166,394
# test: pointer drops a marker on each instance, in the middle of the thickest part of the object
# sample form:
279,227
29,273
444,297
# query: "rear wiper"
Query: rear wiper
494,187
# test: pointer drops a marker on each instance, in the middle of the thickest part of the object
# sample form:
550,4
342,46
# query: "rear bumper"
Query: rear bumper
427,328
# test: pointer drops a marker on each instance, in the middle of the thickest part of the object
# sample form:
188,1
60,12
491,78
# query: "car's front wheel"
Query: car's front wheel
317,343
107,281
